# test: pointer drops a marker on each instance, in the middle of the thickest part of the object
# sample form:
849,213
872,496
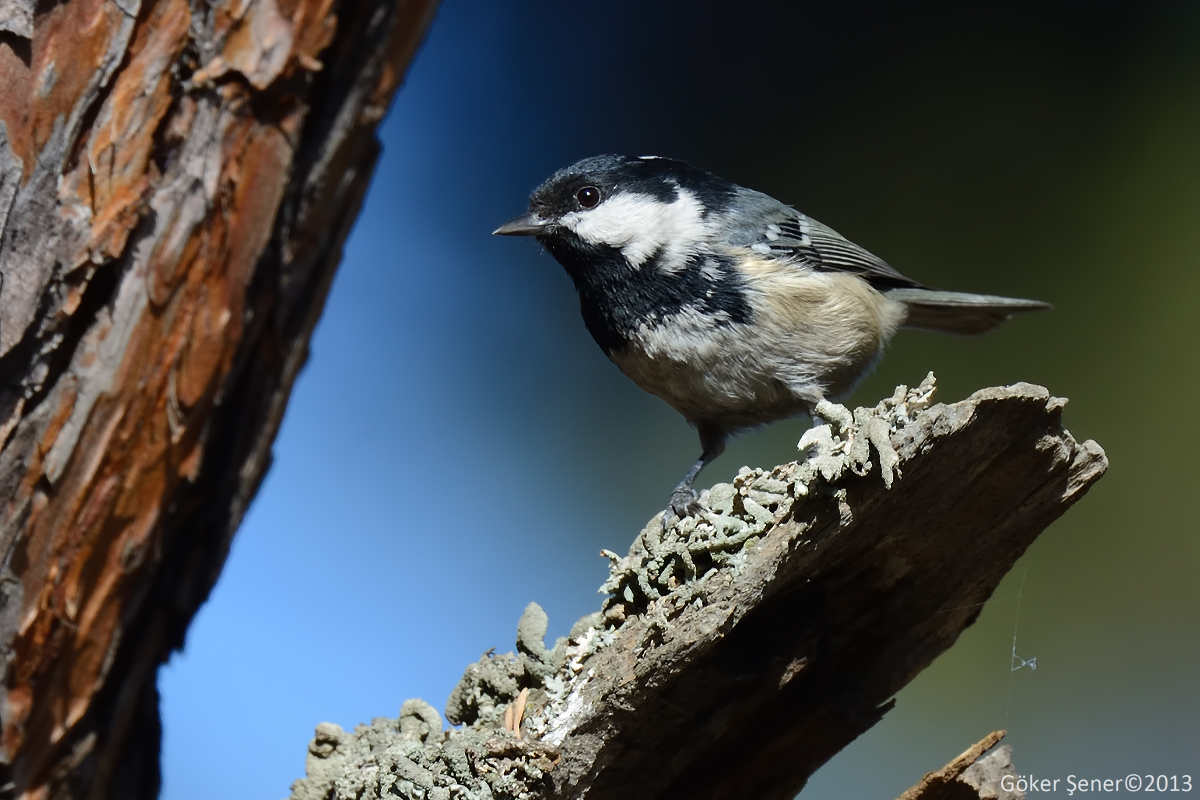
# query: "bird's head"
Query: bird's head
647,207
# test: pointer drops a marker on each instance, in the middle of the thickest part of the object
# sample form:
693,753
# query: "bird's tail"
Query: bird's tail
958,312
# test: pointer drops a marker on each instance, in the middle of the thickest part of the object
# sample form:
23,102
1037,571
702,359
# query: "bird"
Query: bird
731,306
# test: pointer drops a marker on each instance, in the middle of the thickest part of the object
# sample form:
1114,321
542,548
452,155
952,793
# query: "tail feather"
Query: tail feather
958,312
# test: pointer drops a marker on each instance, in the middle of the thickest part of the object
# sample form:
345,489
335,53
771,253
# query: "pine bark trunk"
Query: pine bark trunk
177,179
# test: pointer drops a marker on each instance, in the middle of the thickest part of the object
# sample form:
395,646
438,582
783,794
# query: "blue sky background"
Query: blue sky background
458,446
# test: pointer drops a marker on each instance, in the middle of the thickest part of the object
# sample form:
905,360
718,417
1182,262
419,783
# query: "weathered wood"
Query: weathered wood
744,646
177,178
972,775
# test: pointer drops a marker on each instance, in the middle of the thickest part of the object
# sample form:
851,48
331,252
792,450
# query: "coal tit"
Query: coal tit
734,308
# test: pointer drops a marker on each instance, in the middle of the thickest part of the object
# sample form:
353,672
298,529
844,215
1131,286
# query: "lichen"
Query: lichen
412,757
732,517
514,710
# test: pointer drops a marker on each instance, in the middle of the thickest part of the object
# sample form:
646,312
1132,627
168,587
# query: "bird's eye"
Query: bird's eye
588,196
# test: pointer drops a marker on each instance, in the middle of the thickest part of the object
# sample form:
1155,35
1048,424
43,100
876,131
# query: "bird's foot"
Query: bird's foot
683,503
833,414
845,440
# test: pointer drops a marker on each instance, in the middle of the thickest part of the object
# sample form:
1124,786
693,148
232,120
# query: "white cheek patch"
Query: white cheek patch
641,225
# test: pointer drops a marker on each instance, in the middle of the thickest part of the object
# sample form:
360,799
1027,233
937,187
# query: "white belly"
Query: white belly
811,335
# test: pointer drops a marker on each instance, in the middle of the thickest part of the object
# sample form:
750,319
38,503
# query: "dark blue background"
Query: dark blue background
458,446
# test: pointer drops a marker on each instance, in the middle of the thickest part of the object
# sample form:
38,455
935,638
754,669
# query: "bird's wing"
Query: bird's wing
774,229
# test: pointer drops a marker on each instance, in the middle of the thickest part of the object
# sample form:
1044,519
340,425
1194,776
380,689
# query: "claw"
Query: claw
683,503
837,415
683,499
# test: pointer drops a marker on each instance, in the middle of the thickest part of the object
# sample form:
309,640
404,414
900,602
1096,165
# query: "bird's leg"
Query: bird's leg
683,498
824,412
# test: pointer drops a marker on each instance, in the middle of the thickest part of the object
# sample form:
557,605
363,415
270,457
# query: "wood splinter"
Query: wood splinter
515,712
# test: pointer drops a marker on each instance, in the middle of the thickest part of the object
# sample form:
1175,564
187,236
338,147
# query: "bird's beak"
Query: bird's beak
525,225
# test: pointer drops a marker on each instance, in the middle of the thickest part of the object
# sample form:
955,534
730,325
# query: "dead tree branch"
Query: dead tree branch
972,776
743,647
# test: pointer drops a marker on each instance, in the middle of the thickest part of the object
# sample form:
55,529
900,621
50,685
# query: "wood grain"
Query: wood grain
177,178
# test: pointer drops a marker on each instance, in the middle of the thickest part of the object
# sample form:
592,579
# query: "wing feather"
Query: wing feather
819,247
768,227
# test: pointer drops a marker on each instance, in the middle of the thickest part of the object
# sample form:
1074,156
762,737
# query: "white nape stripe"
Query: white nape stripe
641,225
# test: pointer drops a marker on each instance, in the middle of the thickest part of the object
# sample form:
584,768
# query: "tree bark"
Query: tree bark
972,776
177,179
742,647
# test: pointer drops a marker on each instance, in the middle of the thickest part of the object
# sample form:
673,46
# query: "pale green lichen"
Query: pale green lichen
733,516
411,757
